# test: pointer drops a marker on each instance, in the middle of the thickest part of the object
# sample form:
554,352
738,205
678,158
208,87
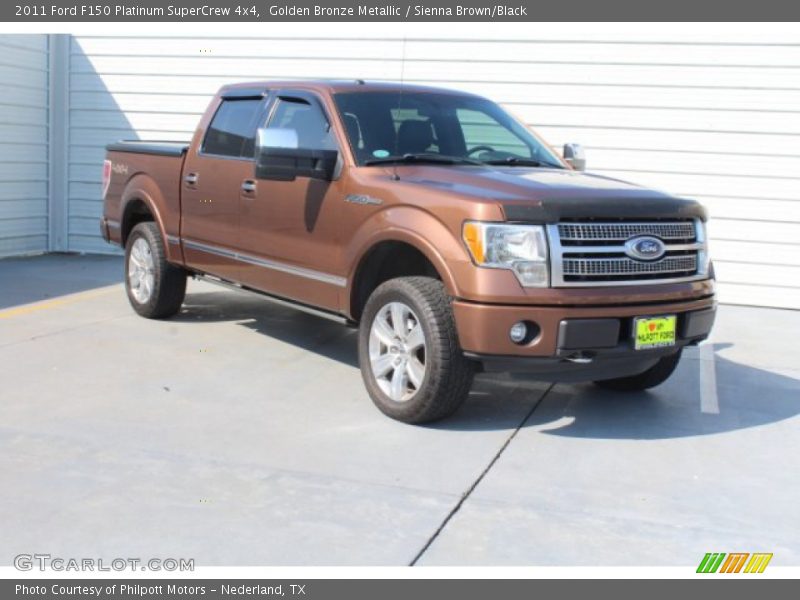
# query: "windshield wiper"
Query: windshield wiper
514,161
442,159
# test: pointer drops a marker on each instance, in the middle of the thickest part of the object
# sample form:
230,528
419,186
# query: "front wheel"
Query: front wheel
655,375
155,287
411,361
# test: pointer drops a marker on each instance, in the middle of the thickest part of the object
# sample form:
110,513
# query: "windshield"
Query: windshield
384,126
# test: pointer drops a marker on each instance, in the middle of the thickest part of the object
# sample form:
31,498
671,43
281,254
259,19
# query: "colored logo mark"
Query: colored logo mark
735,562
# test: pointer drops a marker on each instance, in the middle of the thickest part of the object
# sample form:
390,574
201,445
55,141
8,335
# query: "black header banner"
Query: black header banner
396,10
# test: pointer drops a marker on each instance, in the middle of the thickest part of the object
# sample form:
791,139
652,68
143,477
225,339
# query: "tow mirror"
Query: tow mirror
575,156
279,157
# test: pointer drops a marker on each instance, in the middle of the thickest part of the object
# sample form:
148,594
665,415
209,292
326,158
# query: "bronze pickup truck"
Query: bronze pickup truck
442,227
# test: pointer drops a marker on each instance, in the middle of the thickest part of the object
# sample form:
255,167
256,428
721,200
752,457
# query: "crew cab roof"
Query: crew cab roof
332,86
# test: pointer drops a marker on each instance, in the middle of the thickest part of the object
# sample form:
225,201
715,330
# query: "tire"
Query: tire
655,375
444,381
155,288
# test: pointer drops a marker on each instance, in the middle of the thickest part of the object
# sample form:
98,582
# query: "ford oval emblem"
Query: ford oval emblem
645,247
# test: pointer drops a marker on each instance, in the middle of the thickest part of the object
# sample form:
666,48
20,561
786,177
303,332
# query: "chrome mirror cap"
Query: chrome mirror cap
277,138
575,156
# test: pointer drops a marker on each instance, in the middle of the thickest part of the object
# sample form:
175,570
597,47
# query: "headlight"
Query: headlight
520,248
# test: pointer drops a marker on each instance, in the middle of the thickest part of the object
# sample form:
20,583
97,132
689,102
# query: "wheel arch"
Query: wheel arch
394,253
141,201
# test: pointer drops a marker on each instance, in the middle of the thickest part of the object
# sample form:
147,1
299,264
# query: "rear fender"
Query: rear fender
142,187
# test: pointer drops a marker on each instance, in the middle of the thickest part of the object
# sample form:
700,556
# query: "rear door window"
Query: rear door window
233,128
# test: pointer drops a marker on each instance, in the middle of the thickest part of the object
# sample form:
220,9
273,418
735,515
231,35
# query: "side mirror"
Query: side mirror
278,157
575,156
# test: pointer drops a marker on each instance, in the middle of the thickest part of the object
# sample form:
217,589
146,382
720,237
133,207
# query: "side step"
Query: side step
317,312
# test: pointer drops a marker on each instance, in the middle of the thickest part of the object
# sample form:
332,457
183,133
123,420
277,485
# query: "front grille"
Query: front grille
593,253
610,268
600,232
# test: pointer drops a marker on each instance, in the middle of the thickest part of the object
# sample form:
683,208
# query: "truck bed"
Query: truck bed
159,148
157,166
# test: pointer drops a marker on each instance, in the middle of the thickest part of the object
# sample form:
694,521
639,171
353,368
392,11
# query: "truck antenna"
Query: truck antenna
395,176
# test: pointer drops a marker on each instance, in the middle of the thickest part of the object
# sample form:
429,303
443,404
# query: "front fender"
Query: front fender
414,227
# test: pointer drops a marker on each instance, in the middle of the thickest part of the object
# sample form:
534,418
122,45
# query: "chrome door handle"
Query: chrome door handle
191,178
248,185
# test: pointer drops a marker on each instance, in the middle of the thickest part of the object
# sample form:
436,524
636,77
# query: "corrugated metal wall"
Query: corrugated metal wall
23,144
710,116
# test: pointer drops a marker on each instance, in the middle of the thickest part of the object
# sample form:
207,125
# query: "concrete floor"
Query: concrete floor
239,433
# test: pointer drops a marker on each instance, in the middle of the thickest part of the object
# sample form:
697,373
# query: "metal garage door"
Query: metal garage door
23,144
716,117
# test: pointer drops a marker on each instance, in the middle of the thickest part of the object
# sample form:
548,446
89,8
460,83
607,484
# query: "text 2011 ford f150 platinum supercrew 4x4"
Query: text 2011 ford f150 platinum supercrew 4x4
453,237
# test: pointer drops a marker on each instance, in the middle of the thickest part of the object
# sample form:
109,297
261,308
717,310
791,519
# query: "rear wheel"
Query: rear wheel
155,287
655,375
411,362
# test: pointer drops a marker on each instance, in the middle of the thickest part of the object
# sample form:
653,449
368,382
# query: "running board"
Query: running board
317,312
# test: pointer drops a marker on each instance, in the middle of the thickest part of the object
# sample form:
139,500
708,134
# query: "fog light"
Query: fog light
518,332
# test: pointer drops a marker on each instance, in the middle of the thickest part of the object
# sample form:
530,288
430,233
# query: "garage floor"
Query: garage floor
239,433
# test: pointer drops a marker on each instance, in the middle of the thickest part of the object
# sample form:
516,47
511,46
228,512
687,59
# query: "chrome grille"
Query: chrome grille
610,267
593,253
680,230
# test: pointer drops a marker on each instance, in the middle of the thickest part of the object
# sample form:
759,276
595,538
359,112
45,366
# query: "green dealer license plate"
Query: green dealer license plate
654,332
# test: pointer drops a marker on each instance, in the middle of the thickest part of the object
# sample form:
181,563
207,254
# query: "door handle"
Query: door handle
191,178
248,185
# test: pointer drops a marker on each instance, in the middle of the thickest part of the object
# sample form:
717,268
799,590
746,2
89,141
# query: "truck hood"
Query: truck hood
547,195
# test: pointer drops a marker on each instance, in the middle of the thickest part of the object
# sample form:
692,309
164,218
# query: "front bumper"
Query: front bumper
574,343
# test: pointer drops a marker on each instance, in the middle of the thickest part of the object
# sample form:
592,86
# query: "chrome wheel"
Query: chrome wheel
141,271
397,351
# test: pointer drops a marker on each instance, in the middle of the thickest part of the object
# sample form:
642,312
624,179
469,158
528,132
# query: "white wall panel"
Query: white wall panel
711,116
23,144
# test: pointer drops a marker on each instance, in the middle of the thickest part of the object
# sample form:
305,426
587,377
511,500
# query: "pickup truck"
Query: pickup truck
449,233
